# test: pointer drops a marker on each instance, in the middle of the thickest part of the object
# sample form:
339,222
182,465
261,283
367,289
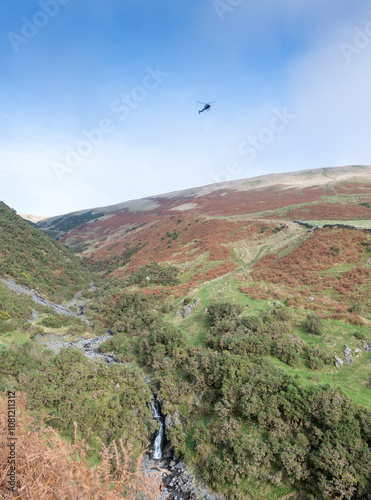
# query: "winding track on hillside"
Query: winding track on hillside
248,251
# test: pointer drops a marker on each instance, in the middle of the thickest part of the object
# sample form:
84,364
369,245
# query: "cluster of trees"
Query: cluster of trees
108,265
67,222
261,335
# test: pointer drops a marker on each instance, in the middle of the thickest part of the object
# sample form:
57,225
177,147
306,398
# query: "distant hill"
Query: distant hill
180,226
258,195
33,218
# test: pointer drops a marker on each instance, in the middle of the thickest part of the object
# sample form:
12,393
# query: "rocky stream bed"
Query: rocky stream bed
179,482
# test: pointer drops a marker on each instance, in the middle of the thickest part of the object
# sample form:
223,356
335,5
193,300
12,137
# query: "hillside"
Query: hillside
37,261
251,329
212,223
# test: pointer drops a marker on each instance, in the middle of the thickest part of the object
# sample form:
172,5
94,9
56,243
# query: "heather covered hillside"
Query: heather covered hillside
176,226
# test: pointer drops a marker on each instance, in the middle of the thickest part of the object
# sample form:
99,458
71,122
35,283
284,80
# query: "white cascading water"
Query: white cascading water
157,450
155,411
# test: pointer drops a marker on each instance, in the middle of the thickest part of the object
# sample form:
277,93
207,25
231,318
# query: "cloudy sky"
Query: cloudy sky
98,98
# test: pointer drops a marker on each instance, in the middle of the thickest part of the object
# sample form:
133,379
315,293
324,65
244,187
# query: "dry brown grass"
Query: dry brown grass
49,468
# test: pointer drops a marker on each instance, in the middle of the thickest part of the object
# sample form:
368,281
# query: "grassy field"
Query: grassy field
13,338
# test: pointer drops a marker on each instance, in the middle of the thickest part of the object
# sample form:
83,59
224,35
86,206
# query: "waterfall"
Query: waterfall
156,413
157,446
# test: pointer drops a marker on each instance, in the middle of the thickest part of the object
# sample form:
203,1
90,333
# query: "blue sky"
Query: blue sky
98,99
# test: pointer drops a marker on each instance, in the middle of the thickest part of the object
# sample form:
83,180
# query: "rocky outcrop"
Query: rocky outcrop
349,355
189,308
179,481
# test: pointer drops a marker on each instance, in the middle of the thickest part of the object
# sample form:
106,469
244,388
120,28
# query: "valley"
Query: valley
247,304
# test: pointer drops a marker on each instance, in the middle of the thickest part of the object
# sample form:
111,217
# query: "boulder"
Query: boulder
348,355
338,361
187,310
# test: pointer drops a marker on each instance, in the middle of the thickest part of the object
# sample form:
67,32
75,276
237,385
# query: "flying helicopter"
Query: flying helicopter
207,106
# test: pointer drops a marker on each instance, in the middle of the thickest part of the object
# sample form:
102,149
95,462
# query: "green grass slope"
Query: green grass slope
37,261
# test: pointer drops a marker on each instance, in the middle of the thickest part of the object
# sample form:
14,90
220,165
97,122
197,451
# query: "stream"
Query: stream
159,439
39,299
179,483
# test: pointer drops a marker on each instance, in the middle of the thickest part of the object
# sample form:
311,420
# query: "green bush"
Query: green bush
314,323
222,311
155,274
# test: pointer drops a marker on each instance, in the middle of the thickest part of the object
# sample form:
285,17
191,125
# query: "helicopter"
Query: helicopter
207,106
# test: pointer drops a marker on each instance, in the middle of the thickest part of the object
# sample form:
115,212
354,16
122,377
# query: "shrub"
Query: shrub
167,307
222,310
157,274
314,323
359,308
99,327
288,349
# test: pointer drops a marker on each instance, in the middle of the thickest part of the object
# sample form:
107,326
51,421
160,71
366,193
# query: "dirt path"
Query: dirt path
248,251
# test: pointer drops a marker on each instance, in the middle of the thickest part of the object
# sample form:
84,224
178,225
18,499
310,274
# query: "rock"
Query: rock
348,355
338,361
311,299
187,310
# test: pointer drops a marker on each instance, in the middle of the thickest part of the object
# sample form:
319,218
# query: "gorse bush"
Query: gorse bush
314,323
222,311
155,274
